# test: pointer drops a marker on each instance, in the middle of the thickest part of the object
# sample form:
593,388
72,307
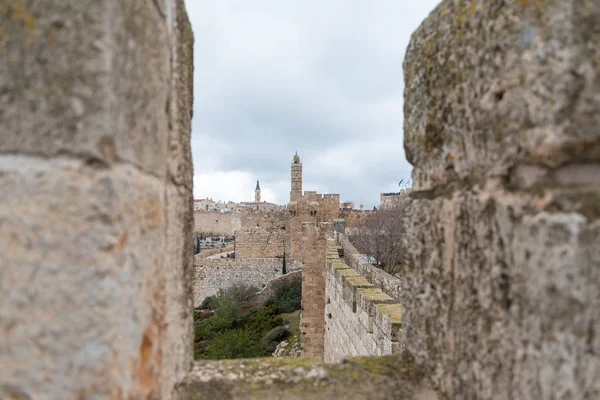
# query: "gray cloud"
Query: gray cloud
323,78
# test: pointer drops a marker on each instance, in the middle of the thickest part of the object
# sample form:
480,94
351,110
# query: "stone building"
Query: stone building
204,204
387,200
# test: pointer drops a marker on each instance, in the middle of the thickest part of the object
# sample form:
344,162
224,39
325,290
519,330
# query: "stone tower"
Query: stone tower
296,192
257,193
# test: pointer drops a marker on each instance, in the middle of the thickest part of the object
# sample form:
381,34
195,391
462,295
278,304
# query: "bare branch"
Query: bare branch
380,236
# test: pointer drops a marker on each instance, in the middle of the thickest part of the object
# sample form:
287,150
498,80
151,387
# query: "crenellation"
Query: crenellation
360,319
95,199
501,280
498,295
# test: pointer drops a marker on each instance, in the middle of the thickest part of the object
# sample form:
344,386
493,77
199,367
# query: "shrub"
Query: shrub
204,329
230,334
274,336
235,343
207,304
287,299
261,320
242,292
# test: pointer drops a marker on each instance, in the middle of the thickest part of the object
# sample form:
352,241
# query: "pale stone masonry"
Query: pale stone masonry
312,324
360,319
212,275
499,296
95,199
502,125
216,223
259,243
296,179
391,285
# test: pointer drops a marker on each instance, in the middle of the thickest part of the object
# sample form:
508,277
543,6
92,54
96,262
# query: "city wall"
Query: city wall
214,222
312,322
360,318
228,224
500,295
212,252
263,219
259,243
354,218
95,199
212,275
389,284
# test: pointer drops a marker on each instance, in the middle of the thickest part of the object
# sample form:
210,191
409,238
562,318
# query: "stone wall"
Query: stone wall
312,324
355,218
389,284
390,200
95,199
210,276
360,319
502,113
305,378
263,219
217,223
259,243
273,285
212,252
293,231
327,208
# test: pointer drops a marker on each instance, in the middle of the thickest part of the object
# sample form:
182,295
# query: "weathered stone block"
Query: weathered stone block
388,317
492,85
367,298
93,90
95,199
501,117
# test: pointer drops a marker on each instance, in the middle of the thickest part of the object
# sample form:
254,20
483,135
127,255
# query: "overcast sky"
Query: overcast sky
320,77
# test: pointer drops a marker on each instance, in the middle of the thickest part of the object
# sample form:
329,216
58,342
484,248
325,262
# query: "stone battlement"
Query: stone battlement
360,318
499,293
389,284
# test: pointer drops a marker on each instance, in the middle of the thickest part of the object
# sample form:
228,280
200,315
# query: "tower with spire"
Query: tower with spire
257,192
296,189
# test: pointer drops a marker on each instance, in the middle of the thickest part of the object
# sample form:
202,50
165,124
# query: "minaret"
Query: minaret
257,193
296,192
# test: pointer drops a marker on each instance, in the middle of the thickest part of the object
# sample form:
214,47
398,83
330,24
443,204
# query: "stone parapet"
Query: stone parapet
360,319
306,378
500,294
389,284
95,199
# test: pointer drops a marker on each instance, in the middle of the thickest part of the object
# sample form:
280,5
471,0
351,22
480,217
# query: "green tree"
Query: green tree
284,267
